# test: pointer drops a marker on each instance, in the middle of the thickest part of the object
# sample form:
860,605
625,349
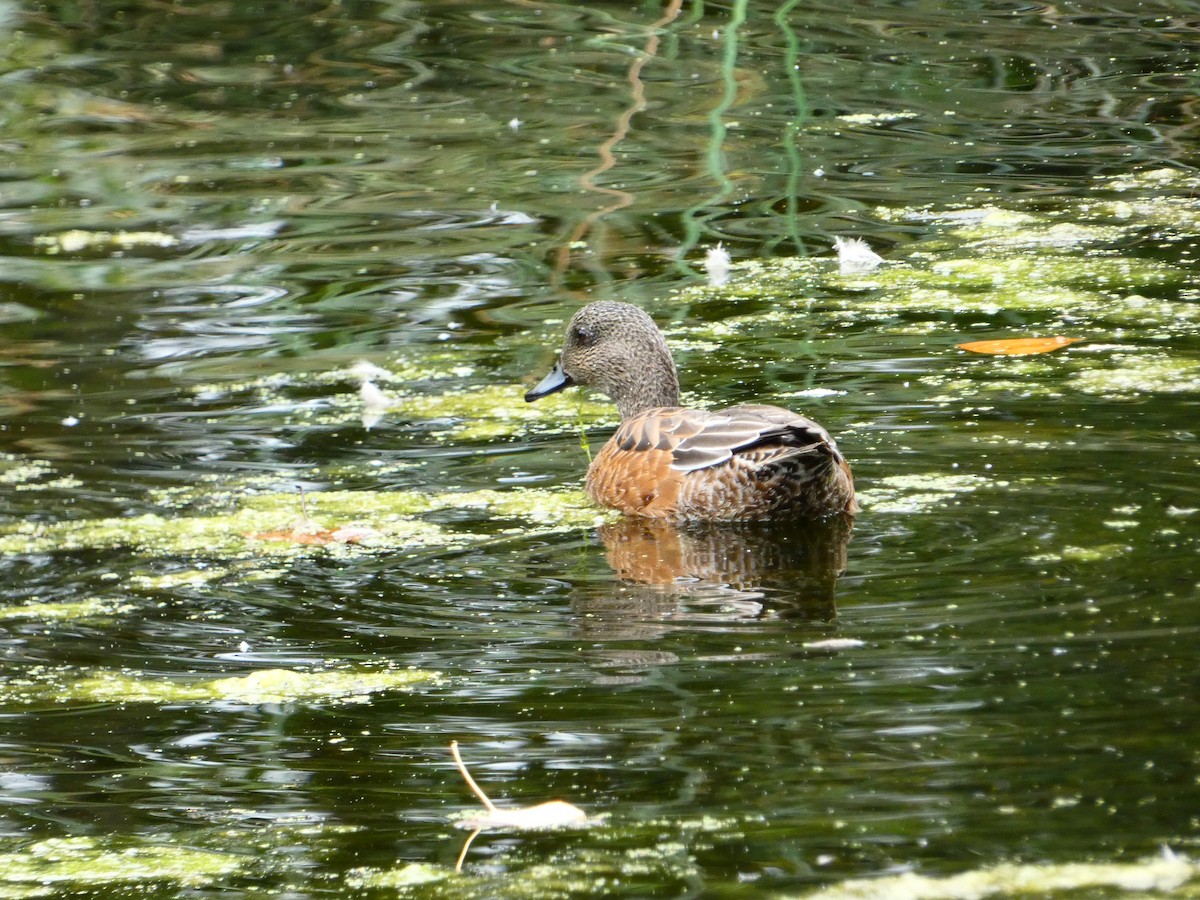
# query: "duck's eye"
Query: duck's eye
584,336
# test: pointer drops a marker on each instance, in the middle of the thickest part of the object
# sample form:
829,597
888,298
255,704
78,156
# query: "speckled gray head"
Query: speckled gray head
617,349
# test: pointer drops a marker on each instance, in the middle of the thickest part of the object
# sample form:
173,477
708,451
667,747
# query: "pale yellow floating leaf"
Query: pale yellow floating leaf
552,814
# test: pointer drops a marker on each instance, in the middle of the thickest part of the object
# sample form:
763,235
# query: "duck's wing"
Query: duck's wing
760,433
687,439
798,450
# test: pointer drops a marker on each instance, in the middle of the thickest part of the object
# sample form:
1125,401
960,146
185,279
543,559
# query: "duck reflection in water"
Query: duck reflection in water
714,572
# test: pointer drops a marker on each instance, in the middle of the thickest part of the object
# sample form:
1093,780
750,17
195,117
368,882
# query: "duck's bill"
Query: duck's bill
551,384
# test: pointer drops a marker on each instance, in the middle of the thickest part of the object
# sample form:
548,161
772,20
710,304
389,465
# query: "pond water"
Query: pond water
249,602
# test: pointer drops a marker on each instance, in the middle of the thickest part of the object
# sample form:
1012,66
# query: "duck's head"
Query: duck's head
616,349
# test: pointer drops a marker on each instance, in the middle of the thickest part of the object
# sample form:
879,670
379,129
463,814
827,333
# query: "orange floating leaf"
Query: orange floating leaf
291,536
1019,346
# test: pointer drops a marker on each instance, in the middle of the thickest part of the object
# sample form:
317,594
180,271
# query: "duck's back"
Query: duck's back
745,462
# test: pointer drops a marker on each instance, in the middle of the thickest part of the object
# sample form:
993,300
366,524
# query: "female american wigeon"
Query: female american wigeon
668,462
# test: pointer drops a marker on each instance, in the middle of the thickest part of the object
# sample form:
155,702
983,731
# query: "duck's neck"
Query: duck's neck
656,385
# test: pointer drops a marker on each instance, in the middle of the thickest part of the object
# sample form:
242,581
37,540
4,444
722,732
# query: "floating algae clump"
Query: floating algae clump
580,872
344,685
1134,375
1096,273
264,686
66,610
1163,873
635,859
551,508
982,263
498,410
51,867
225,535
406,876
435,400
1096,553
919,493
77,240
22,473
270,523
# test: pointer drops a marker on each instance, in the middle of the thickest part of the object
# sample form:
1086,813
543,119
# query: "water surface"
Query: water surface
211,213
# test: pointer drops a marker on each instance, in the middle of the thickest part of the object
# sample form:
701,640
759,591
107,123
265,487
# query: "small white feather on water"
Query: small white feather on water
716,264
375,404
854,256
368,371
816,392
834,644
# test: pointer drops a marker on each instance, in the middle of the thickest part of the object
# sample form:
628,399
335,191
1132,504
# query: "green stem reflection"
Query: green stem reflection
696,216
791,149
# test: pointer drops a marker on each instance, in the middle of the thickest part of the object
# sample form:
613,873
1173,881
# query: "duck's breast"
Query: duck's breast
633,473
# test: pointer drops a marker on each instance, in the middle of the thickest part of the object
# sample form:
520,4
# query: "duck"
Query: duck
747,462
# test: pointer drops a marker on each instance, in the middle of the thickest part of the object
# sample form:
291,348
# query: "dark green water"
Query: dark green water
210,212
